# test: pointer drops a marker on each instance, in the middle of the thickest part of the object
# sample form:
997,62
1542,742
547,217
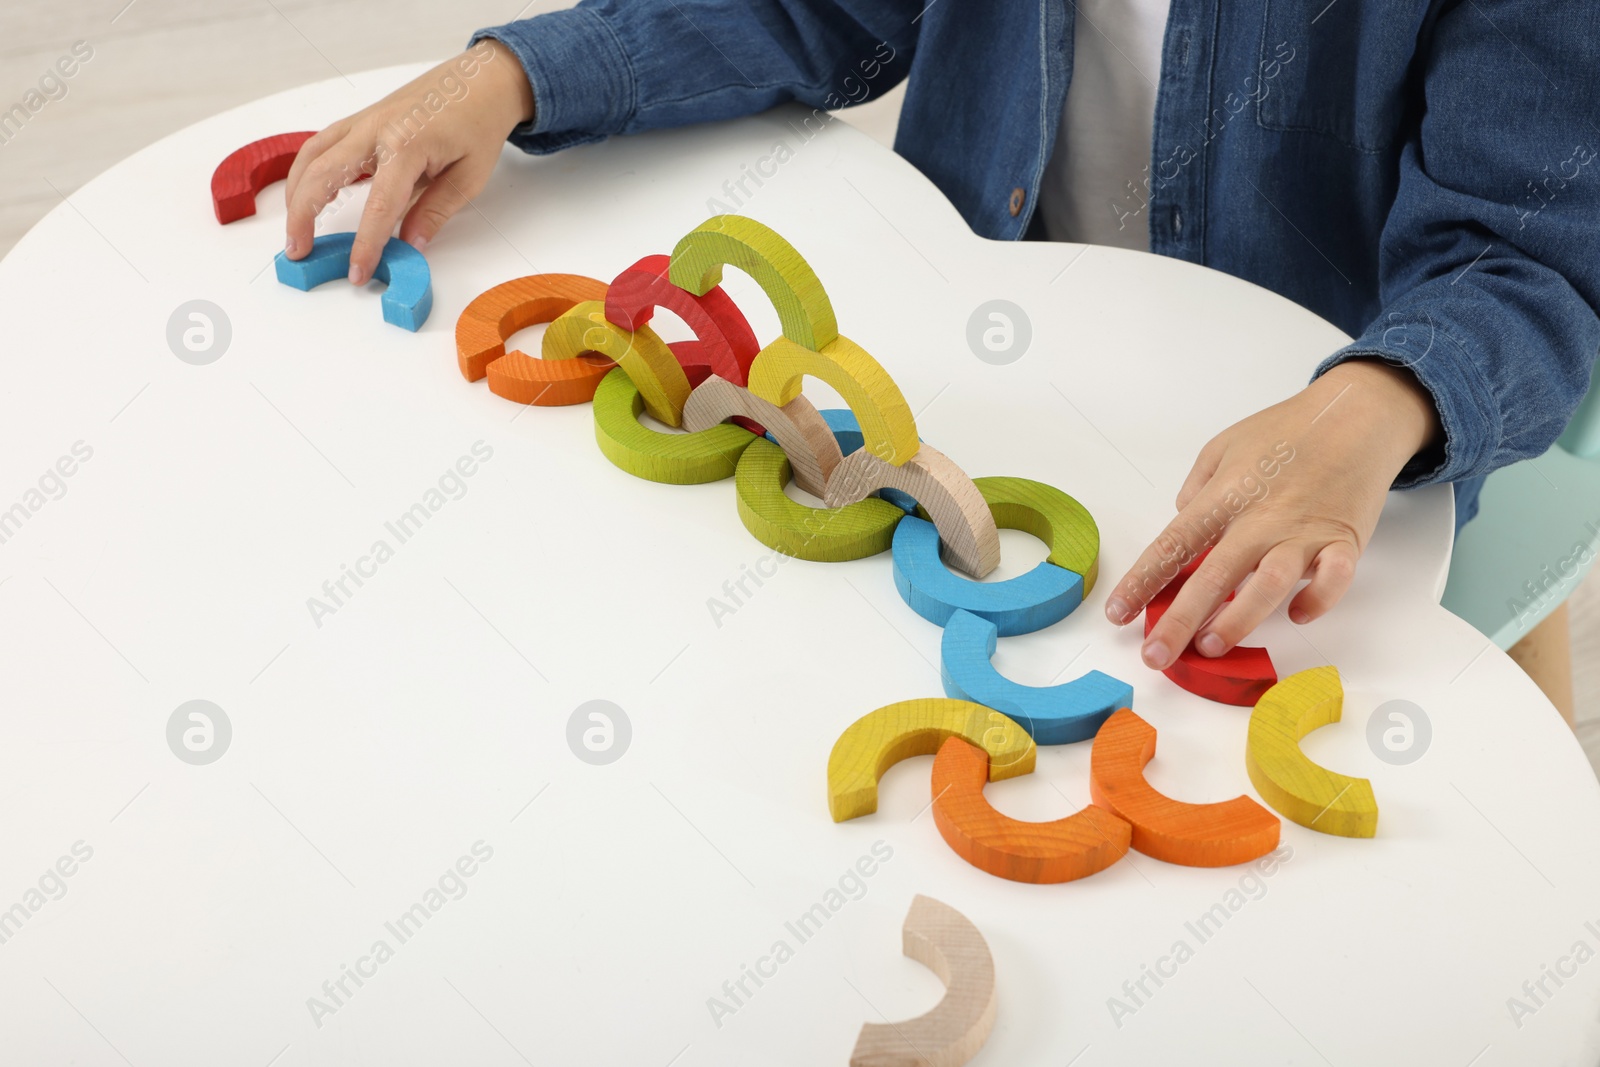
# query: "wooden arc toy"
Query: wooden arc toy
1050,515
1054,715
408,298
1194,835
496,314
1045,595
888,429
673,458
823,535
947,943
1064,850
697,368
804,311
797,428
1239,676
880,739
847,431
245,172
965,523
727,344
1295,787
641,355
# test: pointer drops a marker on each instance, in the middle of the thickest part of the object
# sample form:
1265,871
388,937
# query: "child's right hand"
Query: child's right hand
442,134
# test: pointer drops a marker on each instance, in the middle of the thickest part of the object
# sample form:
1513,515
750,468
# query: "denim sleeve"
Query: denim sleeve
1489,274
623,66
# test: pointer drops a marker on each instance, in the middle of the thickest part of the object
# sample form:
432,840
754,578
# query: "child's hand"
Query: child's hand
441,133
1298,488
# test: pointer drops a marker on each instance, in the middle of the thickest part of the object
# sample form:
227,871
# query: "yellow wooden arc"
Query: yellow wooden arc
1298,789
643,356
804,310
888,429
880,739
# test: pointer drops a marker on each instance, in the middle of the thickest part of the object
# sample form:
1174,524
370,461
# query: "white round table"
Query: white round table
419,730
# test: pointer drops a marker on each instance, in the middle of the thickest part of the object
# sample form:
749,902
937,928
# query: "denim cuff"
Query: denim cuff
1467,414
583,85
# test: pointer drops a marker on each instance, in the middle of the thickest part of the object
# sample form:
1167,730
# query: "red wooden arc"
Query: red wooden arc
249,170
728,344
1239,676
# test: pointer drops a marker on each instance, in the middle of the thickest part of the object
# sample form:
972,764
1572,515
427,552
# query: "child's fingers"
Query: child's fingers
451,190
1275,577
318,144
1205,465
387,201
1202,594
320,182
1184,538
1331,574
1157,565
1179,543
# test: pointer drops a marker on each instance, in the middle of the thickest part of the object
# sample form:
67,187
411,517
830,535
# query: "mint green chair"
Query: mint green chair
1536,535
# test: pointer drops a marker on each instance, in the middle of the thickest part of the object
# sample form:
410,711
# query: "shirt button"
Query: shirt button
1018,195
1177,222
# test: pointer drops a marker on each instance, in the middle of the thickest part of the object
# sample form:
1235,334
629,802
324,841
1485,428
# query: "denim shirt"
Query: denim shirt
1425,174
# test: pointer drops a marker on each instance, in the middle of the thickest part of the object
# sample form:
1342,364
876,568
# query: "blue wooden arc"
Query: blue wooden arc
409,296
1045,595
1052,715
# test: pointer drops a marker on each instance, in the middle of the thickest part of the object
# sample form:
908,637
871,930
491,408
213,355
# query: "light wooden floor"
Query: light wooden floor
159,65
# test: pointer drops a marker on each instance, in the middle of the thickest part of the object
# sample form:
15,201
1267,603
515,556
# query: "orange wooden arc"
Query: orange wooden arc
484,325
1042,852
1194,835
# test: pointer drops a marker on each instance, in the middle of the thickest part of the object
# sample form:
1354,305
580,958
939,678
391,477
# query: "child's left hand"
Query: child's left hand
1306,479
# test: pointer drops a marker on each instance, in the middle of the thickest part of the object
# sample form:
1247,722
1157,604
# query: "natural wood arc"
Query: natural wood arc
1295,787
947,943
1194,835
880,739
697,368
1064,850
799,429
968,535
497,313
